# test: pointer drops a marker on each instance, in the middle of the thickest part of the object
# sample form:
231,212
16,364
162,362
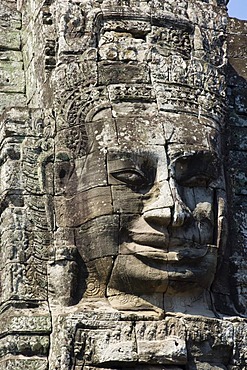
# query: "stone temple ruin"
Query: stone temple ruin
123,185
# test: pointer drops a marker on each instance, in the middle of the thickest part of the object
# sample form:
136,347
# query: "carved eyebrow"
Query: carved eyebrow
122,151
123,158
120,161
208,155
198,165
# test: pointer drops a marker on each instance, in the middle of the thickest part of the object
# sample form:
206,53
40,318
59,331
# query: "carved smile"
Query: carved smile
173,247
152,240
183,253
181,256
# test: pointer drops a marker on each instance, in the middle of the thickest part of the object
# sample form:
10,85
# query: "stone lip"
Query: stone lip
152,240
157,248
172,257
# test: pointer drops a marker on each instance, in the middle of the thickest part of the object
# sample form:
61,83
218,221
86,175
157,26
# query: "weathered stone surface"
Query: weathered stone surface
12,82
33,321
96,240
94,202
11,77
28,344
24,363
123,185
10,100
10,39
210,343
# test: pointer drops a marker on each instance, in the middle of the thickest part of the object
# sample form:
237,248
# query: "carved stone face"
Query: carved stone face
143,203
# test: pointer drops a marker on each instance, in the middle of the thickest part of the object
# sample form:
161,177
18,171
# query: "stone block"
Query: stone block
39,213
240,355
21,242
9,16
12,77
36,321
114,344
8,56
236,120
10,173
136,93
83,174
10,39
15,123
238,138
10,100
96,275
210,341
149,127
125,200
98,238
115,73
26,345
83,206
24,282
63,286
237,50
101,128
134,275
18,362
237,171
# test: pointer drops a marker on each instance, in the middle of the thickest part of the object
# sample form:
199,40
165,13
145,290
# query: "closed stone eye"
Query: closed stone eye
130,177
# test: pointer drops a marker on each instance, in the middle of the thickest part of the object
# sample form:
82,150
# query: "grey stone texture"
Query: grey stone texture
123,185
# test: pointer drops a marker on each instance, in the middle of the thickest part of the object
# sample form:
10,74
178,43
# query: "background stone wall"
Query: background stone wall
237,164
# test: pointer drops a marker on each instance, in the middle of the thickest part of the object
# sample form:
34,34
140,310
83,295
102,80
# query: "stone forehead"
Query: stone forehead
141,111
149,132
179,132
142,118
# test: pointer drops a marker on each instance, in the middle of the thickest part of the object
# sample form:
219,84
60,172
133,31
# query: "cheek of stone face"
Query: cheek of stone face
98,238
82,194
197,274
199,228
203,214
82,207
194,244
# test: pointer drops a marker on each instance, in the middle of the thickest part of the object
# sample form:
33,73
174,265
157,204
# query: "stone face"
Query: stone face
123,185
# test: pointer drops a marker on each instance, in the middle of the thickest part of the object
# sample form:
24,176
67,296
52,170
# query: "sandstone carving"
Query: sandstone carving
123,185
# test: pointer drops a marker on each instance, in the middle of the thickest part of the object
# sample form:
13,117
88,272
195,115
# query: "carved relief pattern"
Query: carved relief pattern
114,243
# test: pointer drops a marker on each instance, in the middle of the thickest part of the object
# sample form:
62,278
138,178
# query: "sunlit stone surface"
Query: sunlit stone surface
123,185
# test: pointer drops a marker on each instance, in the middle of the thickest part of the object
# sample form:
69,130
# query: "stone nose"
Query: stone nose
159,216
165,207
158,206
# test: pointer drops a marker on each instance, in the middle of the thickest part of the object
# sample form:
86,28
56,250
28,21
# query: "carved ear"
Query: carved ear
55,171
63,168
46,173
